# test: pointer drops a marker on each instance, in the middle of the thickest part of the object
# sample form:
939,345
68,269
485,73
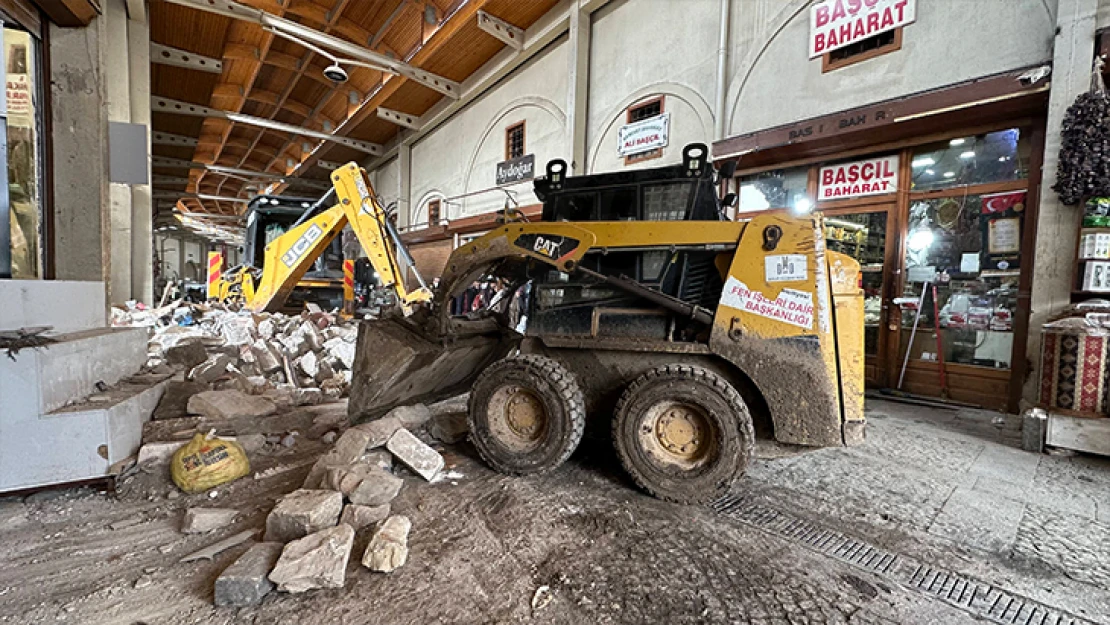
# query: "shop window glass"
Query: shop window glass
20,55
969,247
993,157
863,237
780,188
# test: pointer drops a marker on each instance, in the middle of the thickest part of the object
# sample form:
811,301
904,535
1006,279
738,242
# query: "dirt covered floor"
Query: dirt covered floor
579,545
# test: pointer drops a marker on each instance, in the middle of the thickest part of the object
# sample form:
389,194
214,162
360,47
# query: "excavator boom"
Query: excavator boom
289,256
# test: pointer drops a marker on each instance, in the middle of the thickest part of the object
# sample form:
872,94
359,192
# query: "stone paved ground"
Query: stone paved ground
940,487
953,485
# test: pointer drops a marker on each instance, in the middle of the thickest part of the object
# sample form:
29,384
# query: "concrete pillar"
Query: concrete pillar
404,185
180,258
80,142
142,213
1058,225
578,86
116,77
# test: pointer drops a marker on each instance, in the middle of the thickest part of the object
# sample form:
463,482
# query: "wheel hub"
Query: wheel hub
680,431
525,413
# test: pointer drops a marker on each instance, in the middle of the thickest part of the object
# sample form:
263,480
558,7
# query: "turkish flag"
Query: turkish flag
1002,202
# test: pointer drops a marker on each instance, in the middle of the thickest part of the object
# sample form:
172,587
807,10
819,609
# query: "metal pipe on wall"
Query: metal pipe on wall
722,71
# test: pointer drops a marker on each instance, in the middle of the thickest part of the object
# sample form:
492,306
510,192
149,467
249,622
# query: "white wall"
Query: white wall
461,155
385,180
643,48
773,82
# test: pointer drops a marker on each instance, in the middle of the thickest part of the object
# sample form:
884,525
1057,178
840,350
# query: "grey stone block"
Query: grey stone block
388,549
202,520
347,449
379,431
246,581
376,488
411,451
316,561
303,512
359,517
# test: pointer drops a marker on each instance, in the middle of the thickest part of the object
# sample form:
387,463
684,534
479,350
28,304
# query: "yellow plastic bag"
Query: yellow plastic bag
206,462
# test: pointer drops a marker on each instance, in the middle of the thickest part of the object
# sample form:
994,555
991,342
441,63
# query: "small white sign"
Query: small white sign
785,268
791,306
873,176
644,135
834,24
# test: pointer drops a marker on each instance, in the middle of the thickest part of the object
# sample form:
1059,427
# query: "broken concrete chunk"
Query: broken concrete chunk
187,354
306,396
376,488
379,431
266,328
380,458
359,517
311,335
347,449
449,428
301,513
212,368
251,443
230,403
203,520
158,452
341,350
388,549
294,345
346,479
266,356
318,560
411,451
324,370
309,364
411,417
247,581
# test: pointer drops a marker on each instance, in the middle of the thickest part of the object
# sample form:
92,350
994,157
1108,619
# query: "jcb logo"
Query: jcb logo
301,246
546,247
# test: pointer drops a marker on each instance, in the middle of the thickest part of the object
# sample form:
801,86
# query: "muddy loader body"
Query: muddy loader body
636,302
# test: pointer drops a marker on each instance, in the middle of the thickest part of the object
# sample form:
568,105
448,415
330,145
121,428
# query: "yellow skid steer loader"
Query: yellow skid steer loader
633,300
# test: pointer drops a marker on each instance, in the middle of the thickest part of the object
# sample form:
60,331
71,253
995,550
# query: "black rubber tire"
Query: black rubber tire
726,413
557,389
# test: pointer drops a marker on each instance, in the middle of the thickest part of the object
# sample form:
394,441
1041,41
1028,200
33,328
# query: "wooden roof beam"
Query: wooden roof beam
341,47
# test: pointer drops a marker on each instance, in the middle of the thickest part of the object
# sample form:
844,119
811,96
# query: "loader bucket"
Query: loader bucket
396,365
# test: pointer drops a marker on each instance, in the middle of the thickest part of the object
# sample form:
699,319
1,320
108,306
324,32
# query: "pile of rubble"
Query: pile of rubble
307,357
310,533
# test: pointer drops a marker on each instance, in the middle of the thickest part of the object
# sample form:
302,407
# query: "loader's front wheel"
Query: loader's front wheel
683,433
526,414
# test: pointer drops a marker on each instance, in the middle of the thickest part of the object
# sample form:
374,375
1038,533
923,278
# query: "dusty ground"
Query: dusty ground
482,544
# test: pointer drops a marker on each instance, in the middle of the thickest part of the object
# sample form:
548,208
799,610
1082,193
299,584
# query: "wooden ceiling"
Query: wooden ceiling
270,77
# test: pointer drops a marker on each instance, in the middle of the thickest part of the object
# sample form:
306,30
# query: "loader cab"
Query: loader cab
269,217
682,192
572,305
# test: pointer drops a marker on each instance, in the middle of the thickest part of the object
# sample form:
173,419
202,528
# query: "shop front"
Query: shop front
938,211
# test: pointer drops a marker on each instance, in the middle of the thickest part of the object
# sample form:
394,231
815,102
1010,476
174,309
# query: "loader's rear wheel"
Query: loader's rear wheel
683,433
526,414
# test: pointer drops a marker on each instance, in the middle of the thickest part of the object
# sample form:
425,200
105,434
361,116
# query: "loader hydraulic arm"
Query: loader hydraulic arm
288,257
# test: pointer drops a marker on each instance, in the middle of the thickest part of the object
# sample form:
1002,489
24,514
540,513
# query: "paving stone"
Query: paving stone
347,449
158,452
411,451
1059,499
318,560
212,368
202,520
388,549
376,488
411,417
359,517
247,581
230,404
301,513
450,428
983,520
266,356
379,431
1005,463
1072,545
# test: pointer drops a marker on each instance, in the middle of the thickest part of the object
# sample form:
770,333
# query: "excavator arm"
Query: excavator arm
288,257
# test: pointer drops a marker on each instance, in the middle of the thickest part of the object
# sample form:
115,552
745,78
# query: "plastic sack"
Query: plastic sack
206,462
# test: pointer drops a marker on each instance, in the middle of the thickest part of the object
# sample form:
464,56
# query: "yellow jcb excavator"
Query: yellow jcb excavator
635,301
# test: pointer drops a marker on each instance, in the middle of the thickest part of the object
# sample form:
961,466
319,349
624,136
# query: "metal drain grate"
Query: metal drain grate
979,598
